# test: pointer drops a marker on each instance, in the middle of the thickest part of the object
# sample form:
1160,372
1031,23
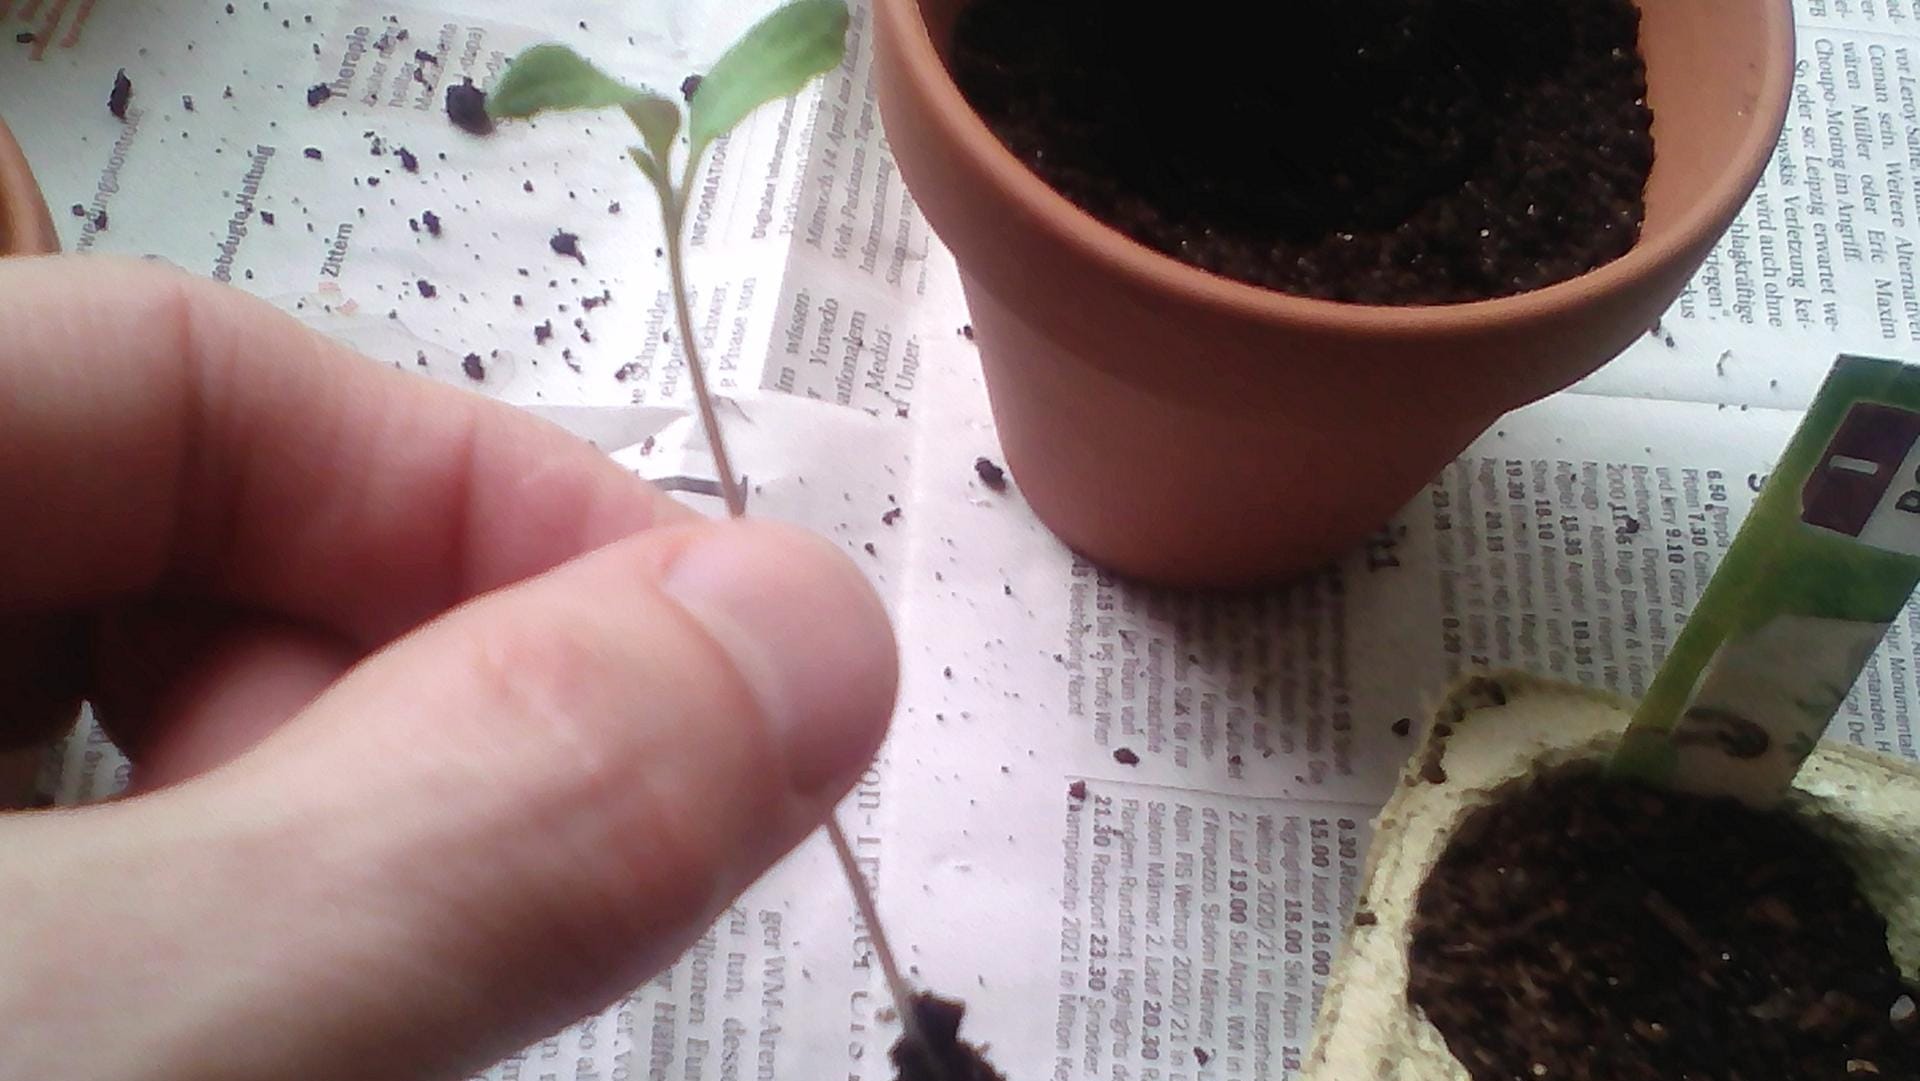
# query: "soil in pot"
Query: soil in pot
1374,151
1579,928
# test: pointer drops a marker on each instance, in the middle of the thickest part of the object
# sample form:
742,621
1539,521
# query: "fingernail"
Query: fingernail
808,635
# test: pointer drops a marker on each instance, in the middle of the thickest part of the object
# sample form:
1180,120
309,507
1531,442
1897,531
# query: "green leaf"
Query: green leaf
551,77
649,166
658,120
781,54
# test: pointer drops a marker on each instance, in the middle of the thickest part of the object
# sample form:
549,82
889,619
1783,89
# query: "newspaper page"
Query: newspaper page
1125,824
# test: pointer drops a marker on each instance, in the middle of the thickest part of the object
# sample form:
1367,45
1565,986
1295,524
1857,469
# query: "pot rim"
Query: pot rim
26,227
1148,269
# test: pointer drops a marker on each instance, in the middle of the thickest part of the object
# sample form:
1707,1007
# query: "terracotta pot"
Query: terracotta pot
25,226
1184,428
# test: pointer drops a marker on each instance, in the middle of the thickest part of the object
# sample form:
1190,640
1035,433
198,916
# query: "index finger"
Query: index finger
160,434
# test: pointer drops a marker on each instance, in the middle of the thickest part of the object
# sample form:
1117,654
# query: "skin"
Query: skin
445,729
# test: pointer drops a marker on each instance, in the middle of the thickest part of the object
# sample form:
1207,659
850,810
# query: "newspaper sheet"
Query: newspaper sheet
1125,824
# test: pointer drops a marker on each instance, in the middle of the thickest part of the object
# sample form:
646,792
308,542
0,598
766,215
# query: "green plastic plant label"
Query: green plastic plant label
1823,564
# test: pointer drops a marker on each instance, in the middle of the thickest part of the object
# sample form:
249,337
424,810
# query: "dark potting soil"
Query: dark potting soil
467,108
990,474
121,95
1377,151
941,1055
1585,929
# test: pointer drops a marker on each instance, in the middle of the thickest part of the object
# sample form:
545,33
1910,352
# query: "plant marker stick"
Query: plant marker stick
1824,563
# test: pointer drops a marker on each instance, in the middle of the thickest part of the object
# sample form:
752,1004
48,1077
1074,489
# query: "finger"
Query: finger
43,673
505,820
183,689
189,438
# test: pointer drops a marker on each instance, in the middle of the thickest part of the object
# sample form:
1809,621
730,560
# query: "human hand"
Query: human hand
445,729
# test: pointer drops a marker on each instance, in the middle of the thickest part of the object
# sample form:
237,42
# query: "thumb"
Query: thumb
501,822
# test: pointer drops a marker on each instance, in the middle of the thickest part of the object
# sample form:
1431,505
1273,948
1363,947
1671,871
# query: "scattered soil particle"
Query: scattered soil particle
1201,1056
567,244
471,365
1077,790
121,95
1609,930
313,153
317,94
408,160
467,108
186,102
940,1055
543,332
1403,726
25,37
613,208
891,516
432,221
1126,757
78,211
422,56
687,86
100,221
1364,918
1452,150
870,549
990,474
966,331
426,288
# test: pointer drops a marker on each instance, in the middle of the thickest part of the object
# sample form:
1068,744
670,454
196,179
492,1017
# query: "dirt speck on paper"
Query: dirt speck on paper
991,475
121,95
567,244
467,108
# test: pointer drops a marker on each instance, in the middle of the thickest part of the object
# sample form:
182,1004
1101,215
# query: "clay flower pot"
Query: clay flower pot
25,226
1189,429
